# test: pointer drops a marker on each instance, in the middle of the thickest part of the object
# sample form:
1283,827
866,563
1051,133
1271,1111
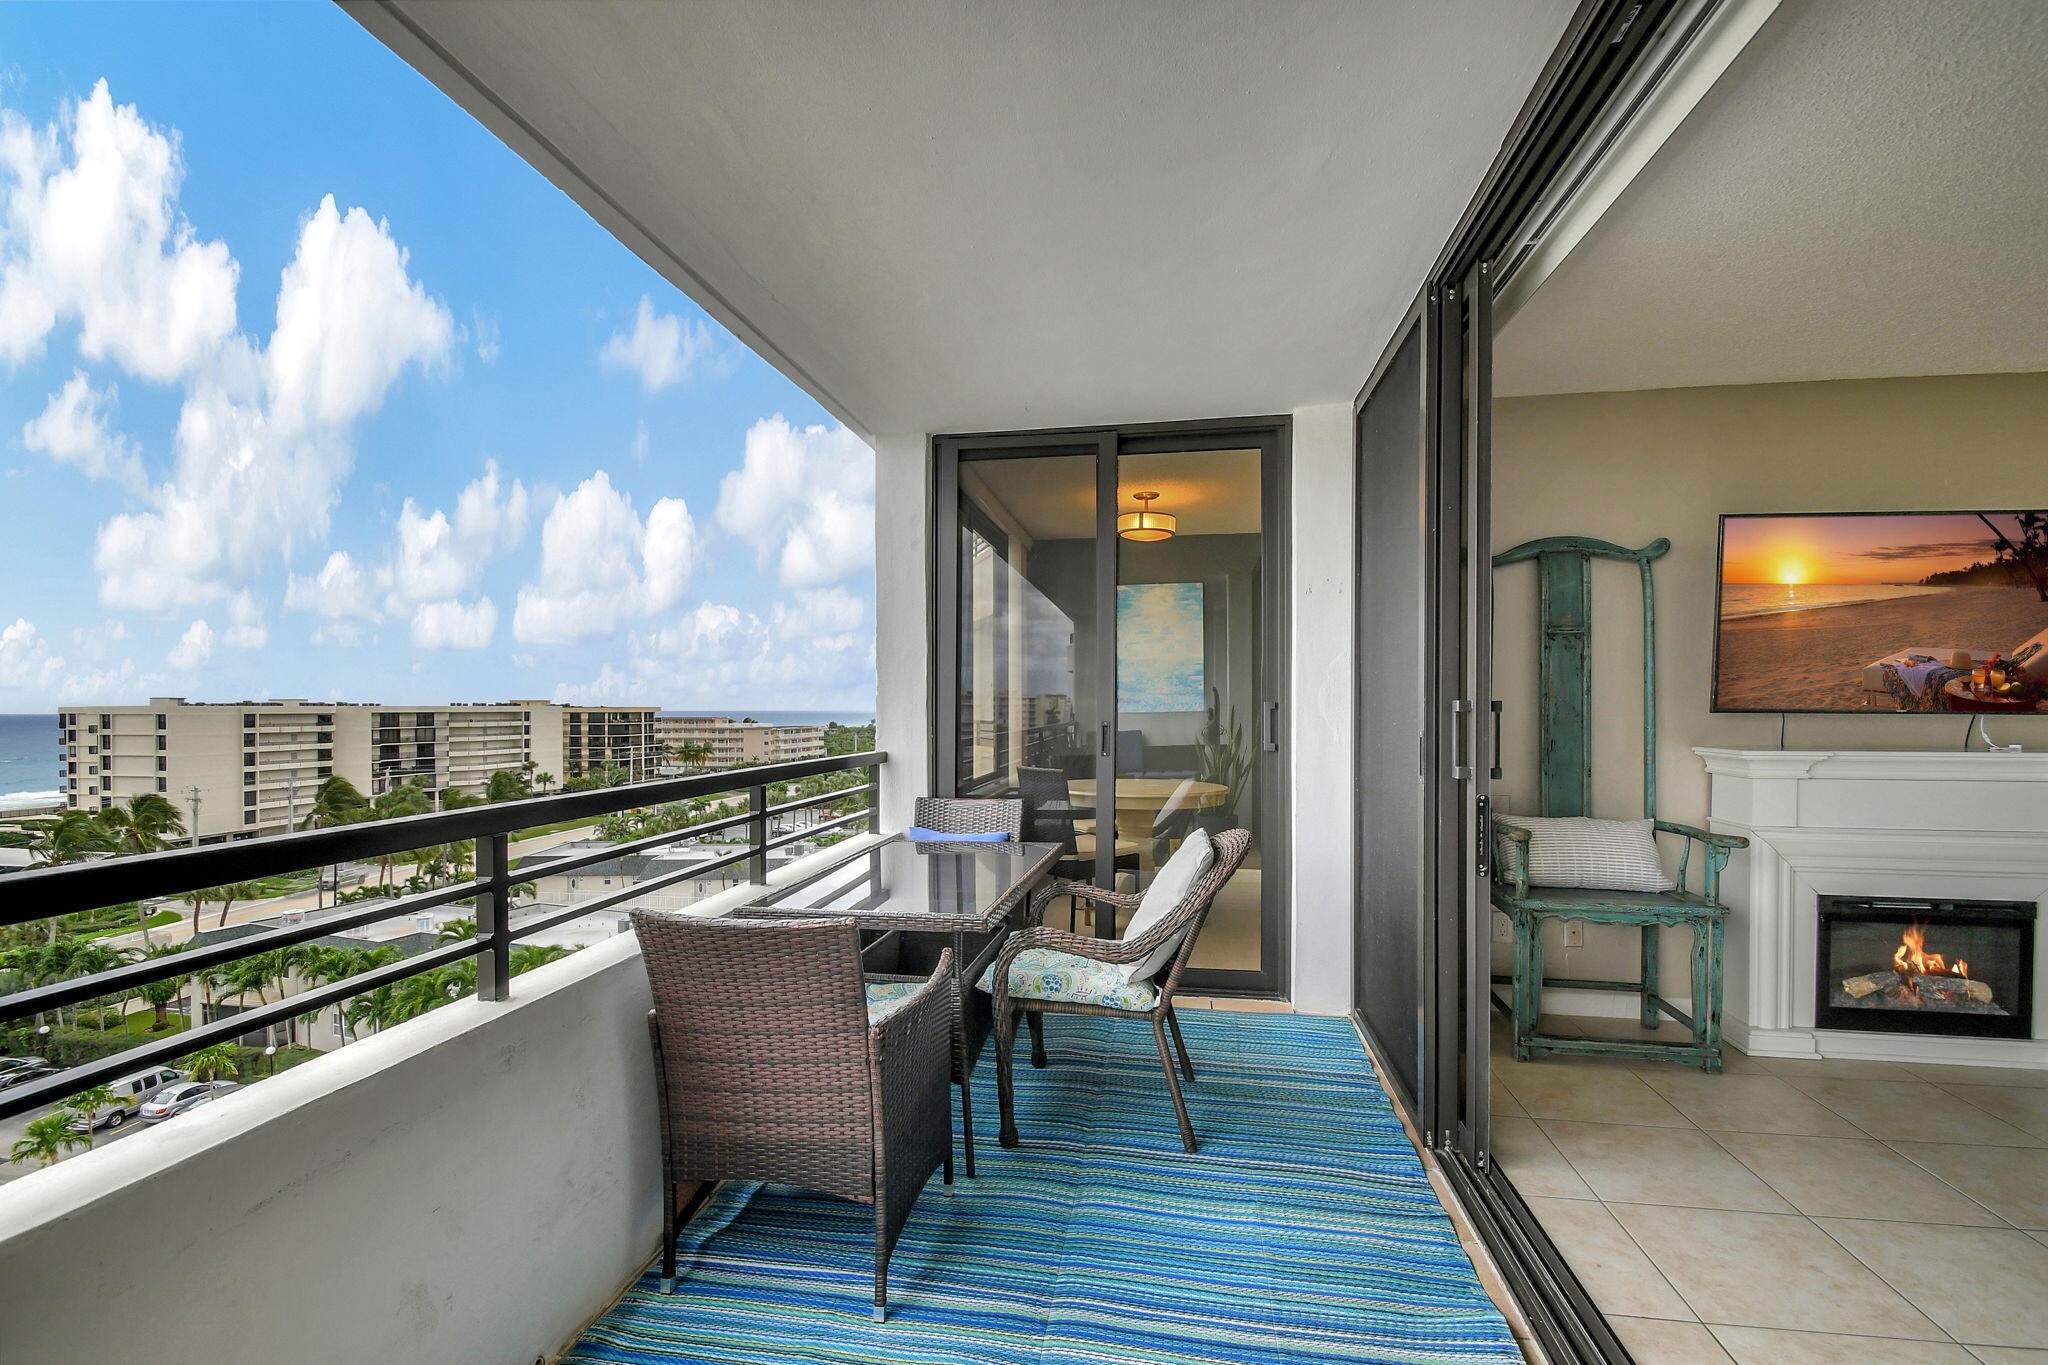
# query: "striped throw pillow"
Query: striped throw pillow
1592,855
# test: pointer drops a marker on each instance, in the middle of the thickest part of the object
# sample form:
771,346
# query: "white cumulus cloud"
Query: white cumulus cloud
73,430
25,657
93,234
342,588
804,498
661,348
454,625
194,647
600,565
246,626
439,557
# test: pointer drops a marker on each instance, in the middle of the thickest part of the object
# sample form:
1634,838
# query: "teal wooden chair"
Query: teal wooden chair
1565,730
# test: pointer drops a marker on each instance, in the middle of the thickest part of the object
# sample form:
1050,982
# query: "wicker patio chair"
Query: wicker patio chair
777,1062
1044,956
958,815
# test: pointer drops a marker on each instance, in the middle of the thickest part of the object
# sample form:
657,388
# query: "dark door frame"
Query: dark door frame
1273,437
1611,52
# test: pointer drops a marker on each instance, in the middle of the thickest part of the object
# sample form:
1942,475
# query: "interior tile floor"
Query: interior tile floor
1790,1212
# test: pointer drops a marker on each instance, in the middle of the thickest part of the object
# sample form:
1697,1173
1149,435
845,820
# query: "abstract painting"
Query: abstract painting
1159,648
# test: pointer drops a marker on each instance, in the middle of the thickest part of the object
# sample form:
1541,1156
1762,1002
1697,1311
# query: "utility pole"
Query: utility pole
192,795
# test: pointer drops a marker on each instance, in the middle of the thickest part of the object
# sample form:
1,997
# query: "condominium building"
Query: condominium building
595,737
253,767
728,743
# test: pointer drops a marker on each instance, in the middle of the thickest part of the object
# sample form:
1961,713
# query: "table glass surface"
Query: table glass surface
948,885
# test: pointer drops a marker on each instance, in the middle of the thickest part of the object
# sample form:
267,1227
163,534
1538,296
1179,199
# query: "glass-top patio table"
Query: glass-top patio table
935,887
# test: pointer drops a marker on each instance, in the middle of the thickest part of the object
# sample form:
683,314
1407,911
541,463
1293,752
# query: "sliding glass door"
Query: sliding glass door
1110,623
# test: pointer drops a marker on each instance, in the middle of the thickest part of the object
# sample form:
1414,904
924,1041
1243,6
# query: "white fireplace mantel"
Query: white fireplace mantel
1869,823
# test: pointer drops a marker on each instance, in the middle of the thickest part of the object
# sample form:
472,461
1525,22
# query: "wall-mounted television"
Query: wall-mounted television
1882,612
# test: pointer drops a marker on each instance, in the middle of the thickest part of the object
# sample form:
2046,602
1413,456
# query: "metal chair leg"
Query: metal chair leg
1006,1097
1187,1063
1651,975
669,1232
1180,1105
1036,1019
881,1265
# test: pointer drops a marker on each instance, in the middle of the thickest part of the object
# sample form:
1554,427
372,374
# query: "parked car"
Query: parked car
129,1092
35,1070
176,1099
10,1063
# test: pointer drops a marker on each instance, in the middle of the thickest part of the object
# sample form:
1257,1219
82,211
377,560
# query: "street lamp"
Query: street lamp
270,1060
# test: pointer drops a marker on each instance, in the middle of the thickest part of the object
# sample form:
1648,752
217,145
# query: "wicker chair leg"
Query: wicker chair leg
967,1124
881,1262
1187,1063
669,1232
1180,1105
1036,1019
1006,1097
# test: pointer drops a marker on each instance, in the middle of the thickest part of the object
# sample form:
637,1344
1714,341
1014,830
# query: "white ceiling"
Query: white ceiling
1864,194
940,215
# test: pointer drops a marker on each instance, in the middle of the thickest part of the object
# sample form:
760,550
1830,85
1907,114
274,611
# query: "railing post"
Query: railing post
757,834
494,917
874,796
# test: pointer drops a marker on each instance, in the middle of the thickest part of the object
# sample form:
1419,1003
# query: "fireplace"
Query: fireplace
1926,966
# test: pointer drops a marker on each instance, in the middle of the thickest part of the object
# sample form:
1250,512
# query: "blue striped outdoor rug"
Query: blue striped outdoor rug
1304,1230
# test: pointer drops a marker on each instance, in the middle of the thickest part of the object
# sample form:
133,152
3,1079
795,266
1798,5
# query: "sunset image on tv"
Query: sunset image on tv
1923,611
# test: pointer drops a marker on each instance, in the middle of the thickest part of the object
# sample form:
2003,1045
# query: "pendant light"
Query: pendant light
1146,524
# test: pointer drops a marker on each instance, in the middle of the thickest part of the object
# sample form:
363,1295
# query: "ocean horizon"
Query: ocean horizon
1771,599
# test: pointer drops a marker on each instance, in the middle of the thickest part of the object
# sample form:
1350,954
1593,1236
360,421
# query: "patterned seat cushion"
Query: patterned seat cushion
1047,974
886,997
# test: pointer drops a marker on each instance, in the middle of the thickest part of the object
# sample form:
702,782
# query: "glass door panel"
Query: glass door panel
1192,683
1031,709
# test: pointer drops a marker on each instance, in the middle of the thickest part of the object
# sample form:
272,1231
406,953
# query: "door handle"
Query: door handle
1269,740
1494,752
1105,739
1461,739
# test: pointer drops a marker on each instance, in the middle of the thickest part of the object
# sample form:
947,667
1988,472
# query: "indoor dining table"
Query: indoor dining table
952,889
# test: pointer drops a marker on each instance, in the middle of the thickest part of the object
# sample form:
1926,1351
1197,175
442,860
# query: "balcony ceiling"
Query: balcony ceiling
1859,197
958,216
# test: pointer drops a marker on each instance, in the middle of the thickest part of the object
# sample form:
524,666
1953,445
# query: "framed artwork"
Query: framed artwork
1159,648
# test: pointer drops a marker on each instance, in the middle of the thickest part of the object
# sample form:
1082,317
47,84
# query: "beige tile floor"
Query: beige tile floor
1790,1212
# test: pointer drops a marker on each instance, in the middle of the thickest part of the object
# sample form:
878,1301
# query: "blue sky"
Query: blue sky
309,387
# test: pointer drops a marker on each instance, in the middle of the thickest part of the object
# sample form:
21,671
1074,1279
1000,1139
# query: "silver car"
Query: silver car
173,1100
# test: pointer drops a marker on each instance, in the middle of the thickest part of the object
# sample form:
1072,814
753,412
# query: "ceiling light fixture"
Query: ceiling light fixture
1146,524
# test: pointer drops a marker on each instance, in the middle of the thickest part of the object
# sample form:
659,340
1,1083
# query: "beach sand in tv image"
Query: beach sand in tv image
1868,612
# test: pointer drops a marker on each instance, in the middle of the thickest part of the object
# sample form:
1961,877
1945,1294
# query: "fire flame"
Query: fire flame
1911,959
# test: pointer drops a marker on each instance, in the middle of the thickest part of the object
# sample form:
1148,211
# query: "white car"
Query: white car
176,1099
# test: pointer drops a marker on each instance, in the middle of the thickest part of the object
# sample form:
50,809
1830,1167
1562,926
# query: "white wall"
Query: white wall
469,1186
903,625
1318,729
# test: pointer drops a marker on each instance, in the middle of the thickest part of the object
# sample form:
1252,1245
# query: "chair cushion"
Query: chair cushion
1170,886
1047,974
886,997
918,835
1600,855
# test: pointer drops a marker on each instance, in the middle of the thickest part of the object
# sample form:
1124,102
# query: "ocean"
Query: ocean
29,761
1768,599
784,717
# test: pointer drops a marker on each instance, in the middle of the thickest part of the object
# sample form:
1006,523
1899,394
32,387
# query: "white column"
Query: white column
1317,726
903,625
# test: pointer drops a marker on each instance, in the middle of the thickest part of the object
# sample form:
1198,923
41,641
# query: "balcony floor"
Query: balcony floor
1304,1230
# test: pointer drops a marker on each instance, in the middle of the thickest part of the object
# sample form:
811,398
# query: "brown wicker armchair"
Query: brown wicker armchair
777,1062
1151,1000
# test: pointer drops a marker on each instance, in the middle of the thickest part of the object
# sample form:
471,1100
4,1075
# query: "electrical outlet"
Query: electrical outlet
1574,933
1503,929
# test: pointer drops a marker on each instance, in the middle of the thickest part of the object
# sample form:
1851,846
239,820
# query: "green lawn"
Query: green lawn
556,828
156,921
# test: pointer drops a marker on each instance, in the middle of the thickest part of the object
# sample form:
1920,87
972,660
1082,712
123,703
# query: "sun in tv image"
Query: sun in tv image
1921,611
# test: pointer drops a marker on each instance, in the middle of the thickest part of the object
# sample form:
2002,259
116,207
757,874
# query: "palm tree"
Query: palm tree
405,799
543,783
527,956
232,892
144,823
45,1140
455,930
197,899
335,802
212,1063
87,1104
159,995
71,837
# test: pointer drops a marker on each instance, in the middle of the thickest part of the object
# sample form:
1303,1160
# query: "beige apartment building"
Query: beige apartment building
733,743
253,767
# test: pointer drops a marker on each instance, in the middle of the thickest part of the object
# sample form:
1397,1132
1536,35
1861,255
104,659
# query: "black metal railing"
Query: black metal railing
46,893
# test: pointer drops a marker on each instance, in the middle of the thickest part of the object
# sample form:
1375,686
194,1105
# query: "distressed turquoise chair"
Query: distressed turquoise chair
1565,740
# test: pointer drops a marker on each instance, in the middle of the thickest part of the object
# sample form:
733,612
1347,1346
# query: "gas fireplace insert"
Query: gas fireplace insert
1892,965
